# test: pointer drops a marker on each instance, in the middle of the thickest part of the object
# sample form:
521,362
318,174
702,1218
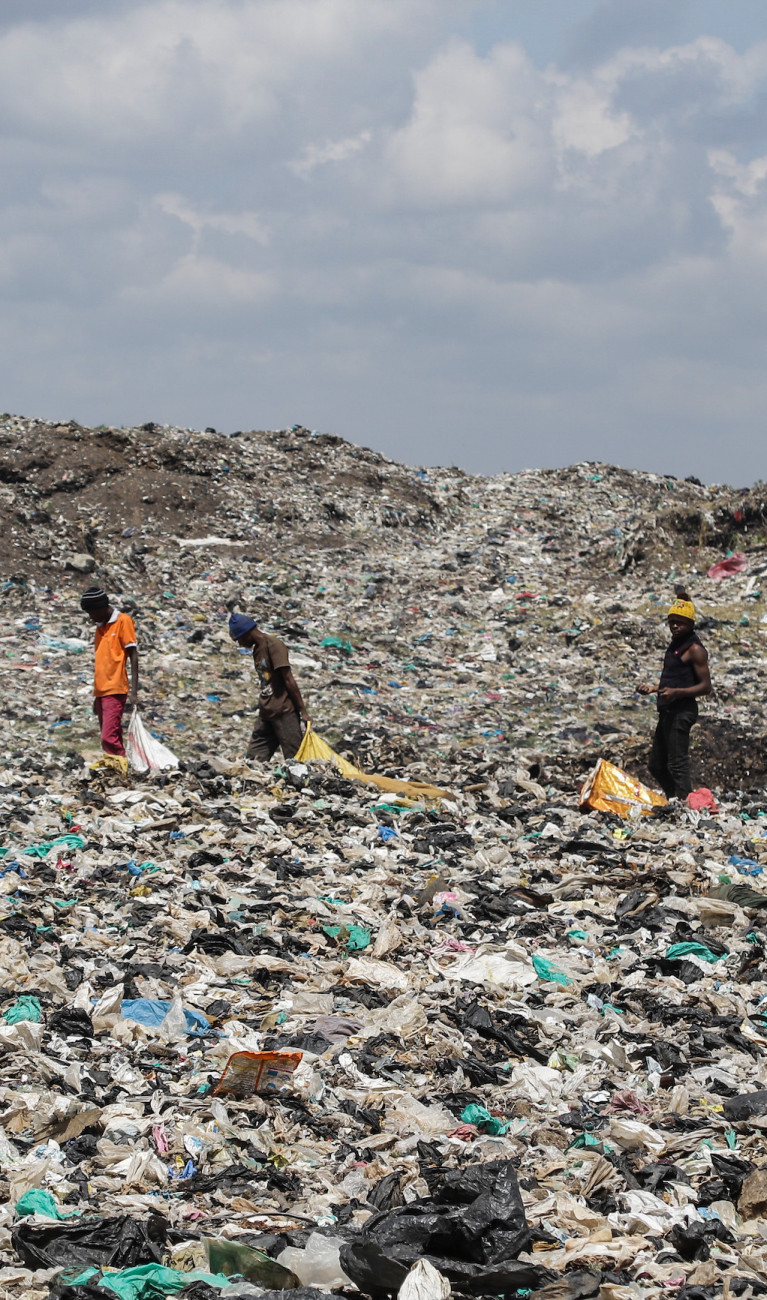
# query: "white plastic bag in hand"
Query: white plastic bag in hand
144,752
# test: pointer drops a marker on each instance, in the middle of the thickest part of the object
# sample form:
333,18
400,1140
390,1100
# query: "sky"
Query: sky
498,234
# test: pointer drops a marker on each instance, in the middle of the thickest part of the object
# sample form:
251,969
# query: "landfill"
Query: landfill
403,1016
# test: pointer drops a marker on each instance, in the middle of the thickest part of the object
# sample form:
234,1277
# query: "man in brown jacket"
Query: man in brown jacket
280,706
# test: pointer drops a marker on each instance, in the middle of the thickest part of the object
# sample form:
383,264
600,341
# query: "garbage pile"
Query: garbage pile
268,1028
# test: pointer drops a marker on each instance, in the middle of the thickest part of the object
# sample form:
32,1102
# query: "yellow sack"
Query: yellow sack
314,747
608,789
112,762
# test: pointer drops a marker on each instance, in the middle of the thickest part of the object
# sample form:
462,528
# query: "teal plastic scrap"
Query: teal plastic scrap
38,1201
63,841
145,1281
72,645
548,972
679,950
584,1140
24,1008
358,939
339,642
481,1118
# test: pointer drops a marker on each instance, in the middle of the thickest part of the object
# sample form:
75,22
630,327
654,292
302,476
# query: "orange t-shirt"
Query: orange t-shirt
110,675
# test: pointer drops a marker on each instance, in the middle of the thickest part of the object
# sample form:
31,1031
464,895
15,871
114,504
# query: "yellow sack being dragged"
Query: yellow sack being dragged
314,747
608,789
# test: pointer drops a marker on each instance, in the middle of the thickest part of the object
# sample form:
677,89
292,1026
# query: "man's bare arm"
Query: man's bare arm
132,655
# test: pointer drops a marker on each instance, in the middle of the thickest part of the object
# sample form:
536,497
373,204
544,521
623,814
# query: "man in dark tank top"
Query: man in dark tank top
684,677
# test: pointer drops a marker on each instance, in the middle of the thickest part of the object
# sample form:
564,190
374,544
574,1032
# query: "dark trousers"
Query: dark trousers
670,756
270,734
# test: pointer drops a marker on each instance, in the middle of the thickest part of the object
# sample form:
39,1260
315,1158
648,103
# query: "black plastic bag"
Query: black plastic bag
84,1147
733,1171
85,1291
654,1175
386,1195
121,1242
378,1271
745,1105
230,1178
471,1231
691,1241
71,1020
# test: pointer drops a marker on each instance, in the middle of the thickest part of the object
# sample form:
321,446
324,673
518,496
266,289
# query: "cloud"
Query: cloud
355,216
231,223
317,155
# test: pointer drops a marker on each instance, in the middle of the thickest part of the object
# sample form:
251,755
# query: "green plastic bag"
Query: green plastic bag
42,850
359,937
481,1118
547,971
587,1141
339,642
24,1008
679,950
37,1201
146,1281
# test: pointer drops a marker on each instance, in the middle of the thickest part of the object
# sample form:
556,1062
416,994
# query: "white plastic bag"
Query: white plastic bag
318,1263
424,1282
144,752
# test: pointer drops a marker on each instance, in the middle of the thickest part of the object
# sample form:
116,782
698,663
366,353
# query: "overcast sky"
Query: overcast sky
499,235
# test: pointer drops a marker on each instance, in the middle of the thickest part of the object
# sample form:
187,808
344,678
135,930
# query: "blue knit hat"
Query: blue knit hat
239,624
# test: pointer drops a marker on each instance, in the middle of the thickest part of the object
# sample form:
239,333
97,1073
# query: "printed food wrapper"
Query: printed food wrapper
609,789
249,1073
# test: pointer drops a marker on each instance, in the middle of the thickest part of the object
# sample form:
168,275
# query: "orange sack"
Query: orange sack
609,789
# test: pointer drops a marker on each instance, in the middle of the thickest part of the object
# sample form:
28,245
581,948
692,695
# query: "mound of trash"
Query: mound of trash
403,1015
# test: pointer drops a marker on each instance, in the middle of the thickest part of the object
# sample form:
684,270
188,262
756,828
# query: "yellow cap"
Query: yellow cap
683,609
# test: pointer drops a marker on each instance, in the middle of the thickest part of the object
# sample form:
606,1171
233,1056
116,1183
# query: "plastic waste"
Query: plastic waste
249,1073
119,1242
608,789
314,748
471,1231
39,1201
691,949
424,1282
146,753
495,648
727,568
24,1008
480,1116
355,937
154,1012
317,1263
144,1282
548,972
69,841
235,1258
702,799
745,1105
339,642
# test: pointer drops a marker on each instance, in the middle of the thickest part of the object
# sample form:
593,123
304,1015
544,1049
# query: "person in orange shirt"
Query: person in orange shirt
115,646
